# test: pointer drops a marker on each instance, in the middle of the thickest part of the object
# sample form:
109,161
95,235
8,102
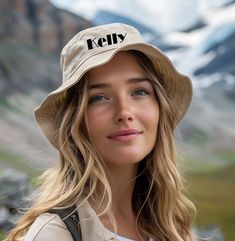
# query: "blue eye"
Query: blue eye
141,92
96,98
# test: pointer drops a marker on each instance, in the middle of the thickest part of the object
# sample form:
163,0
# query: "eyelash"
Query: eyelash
143,90
94,98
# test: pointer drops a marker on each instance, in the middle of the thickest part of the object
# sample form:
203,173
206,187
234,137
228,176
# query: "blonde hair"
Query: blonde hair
163,211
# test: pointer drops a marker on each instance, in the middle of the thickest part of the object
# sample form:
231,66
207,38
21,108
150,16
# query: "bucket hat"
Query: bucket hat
96,46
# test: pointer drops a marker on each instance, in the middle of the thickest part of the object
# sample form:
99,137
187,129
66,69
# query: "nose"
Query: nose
124,112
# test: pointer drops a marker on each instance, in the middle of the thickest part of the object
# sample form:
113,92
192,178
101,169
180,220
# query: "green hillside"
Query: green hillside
213,193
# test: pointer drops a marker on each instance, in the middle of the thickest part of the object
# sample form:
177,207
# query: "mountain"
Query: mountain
29,69
32,34
38,23
222,43
198,25
207,50
228,3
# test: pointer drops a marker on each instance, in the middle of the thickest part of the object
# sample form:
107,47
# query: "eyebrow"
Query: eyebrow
129,81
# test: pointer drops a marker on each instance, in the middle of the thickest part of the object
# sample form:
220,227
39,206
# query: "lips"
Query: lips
125,132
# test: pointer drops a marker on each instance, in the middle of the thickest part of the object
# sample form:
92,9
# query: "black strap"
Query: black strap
70,217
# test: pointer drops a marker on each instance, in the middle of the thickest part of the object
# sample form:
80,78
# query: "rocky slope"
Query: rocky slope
32,34
38,23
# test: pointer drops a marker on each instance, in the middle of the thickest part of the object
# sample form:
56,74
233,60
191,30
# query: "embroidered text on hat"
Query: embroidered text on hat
108,40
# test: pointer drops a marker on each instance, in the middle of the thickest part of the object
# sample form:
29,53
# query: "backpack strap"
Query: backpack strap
70,217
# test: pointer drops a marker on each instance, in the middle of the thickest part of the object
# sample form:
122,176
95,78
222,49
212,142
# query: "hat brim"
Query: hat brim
178,86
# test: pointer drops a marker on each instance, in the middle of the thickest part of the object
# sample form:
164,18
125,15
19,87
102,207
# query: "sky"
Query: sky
162,15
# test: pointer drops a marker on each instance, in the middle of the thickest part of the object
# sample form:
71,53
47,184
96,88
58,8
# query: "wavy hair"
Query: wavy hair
163,211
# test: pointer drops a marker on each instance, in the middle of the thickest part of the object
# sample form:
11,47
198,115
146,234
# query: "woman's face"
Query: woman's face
123,112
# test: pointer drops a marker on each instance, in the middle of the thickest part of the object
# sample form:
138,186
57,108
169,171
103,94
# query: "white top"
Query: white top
121,238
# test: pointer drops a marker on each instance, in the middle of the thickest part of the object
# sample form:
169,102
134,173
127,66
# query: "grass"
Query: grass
200,138
17,163
213,193
4,103
20,164
11,55
227,156
2,236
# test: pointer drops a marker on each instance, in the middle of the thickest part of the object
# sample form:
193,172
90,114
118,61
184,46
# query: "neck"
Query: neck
122,182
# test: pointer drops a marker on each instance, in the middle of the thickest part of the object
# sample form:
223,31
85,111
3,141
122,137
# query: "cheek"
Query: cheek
96,122
150,116
93,122
150,119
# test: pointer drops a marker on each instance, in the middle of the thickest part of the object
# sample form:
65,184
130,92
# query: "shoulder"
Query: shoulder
48,227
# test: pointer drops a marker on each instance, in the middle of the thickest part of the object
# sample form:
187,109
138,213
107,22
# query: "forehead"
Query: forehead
122,66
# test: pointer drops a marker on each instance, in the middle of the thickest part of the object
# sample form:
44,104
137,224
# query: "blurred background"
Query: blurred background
197,35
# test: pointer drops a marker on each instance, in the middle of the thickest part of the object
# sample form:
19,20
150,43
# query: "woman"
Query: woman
112,121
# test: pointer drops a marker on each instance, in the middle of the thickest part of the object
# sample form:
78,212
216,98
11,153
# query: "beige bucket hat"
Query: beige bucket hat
96,46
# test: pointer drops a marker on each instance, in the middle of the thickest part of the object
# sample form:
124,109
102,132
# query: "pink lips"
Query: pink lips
125,135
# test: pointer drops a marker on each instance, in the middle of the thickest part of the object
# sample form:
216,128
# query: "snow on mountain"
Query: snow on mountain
213,19
207,50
